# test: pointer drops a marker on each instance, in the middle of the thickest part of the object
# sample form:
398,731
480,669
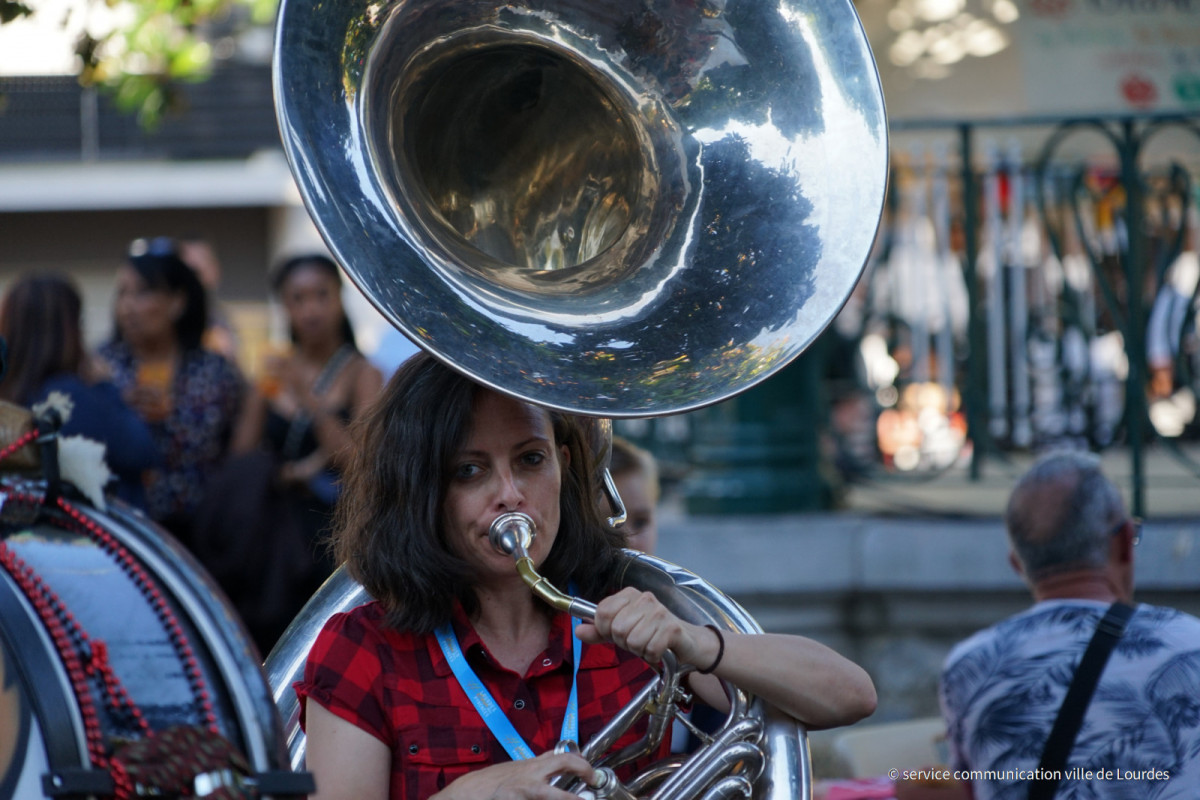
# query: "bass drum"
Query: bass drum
122,670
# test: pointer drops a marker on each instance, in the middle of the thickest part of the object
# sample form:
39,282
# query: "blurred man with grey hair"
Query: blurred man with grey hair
1126,724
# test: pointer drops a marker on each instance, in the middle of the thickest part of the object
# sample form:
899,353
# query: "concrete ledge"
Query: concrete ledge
262,180
894,593
838,552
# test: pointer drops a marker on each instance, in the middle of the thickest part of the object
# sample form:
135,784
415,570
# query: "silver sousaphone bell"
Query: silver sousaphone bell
617,209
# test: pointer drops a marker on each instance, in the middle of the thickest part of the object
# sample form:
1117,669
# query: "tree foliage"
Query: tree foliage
157,45
11,9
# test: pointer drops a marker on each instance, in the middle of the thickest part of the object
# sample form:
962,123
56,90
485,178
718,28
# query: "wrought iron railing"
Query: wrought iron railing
53,118
1034,285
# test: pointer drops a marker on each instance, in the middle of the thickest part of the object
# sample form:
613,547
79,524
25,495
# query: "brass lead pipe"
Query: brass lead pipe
512,533
541,587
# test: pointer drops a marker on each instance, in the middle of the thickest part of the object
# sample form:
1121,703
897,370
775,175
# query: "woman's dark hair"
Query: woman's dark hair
39,319
281,273
389,521
158,263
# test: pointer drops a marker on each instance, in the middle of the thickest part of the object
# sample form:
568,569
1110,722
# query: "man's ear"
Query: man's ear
1122,544
1015,563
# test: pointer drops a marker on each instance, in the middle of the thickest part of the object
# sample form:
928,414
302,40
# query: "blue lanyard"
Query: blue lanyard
486,705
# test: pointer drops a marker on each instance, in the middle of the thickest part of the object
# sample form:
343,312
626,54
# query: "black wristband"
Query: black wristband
720,650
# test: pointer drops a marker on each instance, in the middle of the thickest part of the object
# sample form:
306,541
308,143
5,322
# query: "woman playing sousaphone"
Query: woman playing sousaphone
457,682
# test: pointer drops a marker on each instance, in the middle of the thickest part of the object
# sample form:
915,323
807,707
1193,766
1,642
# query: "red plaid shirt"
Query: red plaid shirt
398,687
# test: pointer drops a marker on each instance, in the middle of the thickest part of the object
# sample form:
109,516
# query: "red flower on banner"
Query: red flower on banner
1139,90
1050,8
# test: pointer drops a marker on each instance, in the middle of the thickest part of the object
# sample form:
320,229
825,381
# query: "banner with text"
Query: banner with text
1109,56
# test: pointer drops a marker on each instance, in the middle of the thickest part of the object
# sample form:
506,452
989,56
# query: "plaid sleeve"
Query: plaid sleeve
344,674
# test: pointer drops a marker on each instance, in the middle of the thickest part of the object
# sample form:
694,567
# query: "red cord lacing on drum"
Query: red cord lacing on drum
71,641
61,624
13,447
159,603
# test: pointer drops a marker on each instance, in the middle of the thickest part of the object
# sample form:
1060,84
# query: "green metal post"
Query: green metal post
977,345
1135,345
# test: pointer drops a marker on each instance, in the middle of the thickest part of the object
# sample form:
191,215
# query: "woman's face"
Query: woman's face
637,493
312,299
145,315
509,462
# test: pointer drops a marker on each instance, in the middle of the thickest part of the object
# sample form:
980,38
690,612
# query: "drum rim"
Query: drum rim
38,668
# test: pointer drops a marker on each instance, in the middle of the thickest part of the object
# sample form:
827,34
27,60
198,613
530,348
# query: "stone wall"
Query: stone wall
894,594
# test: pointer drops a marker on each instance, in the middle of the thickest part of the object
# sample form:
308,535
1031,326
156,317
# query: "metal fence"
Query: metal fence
1034,285
53,118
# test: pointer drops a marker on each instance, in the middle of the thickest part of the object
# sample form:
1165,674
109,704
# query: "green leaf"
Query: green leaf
11,9
163,41
190,61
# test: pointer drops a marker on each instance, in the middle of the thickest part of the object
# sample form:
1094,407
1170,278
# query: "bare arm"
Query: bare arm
331,432
346,762
800,676
248,427
368,383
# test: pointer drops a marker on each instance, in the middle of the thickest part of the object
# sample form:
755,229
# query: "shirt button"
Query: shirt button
519,705
412,748
545,662
475,749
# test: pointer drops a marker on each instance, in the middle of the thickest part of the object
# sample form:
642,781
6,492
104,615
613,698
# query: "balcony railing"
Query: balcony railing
53,118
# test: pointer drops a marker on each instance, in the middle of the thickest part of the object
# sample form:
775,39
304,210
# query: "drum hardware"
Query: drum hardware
113,643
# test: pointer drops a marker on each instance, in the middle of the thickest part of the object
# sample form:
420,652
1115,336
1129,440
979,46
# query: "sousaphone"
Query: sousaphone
617,209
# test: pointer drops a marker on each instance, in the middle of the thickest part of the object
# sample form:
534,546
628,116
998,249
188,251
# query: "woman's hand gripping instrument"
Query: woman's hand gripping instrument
513,533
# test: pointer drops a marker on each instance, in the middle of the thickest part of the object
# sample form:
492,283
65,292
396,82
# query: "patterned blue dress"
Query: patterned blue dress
206,394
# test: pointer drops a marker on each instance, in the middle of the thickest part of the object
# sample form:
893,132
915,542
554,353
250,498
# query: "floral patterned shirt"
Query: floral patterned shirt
1001,690
207,392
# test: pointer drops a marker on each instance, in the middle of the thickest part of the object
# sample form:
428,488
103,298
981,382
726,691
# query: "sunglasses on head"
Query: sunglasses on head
156,246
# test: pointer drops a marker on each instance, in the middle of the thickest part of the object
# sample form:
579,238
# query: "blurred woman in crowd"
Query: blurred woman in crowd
193,399
311,394
280,489
40,321
220,334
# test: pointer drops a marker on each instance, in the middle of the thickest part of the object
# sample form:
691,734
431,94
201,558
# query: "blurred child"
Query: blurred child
636,475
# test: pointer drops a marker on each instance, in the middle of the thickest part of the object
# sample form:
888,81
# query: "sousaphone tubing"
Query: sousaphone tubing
616,209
